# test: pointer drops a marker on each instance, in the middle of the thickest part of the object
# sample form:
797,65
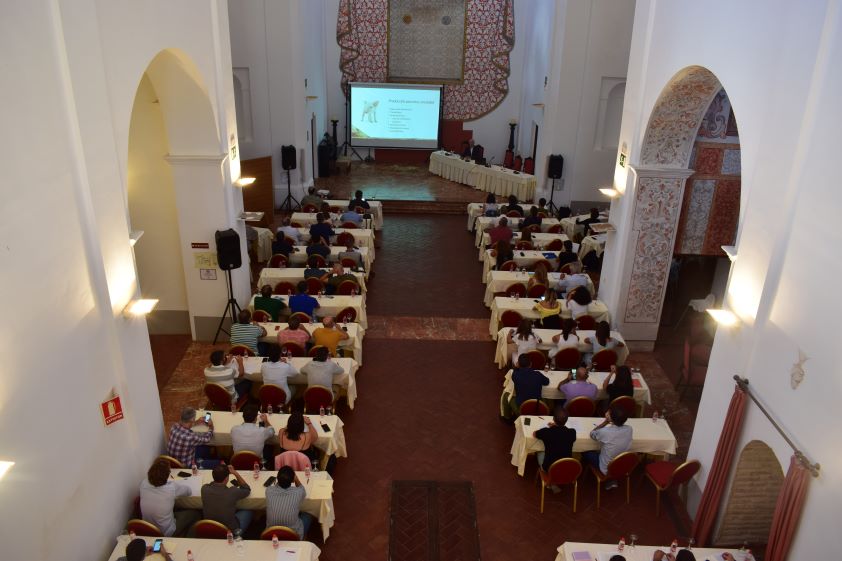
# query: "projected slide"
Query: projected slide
395,115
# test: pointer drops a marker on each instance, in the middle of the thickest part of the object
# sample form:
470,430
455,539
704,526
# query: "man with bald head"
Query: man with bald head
337,277
329,335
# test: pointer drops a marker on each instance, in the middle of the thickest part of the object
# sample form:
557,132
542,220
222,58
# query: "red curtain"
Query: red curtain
787,511
721,465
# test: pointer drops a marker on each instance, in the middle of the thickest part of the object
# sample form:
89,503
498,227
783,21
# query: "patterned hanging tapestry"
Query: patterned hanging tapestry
464,44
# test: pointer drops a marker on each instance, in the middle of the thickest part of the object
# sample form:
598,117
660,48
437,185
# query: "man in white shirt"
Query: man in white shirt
225,370
157,500
574,280
287,230
251,436
320,371
277,371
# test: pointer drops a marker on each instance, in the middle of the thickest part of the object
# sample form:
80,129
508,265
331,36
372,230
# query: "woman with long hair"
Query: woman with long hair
621,385
523,339
578,301
548,308
567,339
539,276
294,437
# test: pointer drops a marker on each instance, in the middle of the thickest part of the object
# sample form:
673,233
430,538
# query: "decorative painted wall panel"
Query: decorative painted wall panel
698,199
426,41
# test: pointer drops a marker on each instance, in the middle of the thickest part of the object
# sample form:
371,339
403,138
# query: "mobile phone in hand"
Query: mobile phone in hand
207,417
269,481
156,547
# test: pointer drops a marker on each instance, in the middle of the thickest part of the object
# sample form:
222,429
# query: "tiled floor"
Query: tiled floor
427,410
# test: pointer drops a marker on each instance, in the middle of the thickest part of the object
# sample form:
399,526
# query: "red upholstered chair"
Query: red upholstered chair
554,245
143,528
283,533
290,241
517,164
294,349
585,322
695,366
296,224
536,291
314,286
285,288
514,214
580,407
664,475
278,260
345,238
270,394
542,262
240,350
347,315
347,287
567,359
508,159
604,359
244,460
516,288
534,407
529,167
220,400
302,317
554,229
537,359
316,397
261,316
210,530
309,209
509,266
510,318
362,210
562,472
175,464
626,403
294,459
336,209
319,260
566,268
619,468
348,263
349,226
534,228
314,349
523,244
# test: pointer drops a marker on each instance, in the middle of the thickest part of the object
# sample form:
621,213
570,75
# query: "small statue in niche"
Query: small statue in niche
797,373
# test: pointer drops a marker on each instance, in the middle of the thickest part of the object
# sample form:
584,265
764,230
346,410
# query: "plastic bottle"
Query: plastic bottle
674,547
622,544
195,469
256,470
230,537
275,543
190,556
307,473
233,405
132,535
655,416
269,409
322,412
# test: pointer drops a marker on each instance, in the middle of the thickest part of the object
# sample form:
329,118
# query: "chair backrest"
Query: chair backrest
534,407
542,262
293,348
345,238
314,349
567,358
567,268
580,407
261,316
302,317
270,394
218,397
240,350
278,260
510,318
175,464
308,208
348,262
283,533
318,260
518,163
564,471
347,287
554,245
537,359
514,214
143,528
529,166
551,322
509,266
347,315
314,286
508,159
523,244
622,465
685,472
316,397
290,241
604,359
244,459
285,288
554,229
361,210
627,404
534,228
537,290
294,459
210,530
516,288
296,224
348,226
585,322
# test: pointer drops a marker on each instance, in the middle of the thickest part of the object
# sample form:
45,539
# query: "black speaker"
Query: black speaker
228,249
555,166
288,157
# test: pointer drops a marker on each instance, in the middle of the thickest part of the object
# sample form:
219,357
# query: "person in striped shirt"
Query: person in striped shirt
246,332
283,503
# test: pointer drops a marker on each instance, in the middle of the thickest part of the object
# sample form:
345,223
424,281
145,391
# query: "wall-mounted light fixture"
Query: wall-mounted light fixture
134,236
726,318
609,192
140,307
730,251
244,181
4,467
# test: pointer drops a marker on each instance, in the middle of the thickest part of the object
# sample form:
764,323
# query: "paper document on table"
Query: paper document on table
287,555
582,556
252,364
320,489
195,483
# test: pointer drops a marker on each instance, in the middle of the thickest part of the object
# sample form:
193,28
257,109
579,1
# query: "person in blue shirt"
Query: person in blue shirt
351,215
318,247
528,383
301,301
321,229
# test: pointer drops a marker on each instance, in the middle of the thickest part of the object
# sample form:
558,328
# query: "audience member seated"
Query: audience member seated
351,215
532,220
277,370
578,386
578,301
358,200
246,332
575,279
337,277
321,230
542,206
187,446
522,339
548,308
511,205
351,252
313,270
467,148
558,441
490,207
615,437
563,212
567,339
504,253
621,385
302,302
566,255
320,371
330,335
602,338
593,219
283,503
272,306
225,370
318,247
252,437
157,501
280,245
219,500
525,236
500,232
311,198
287,230
296,438
137,550
294,333
539,276
528,383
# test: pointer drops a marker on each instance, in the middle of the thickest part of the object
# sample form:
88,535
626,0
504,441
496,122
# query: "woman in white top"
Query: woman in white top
602,339
490,207
578,301
523,338
567,339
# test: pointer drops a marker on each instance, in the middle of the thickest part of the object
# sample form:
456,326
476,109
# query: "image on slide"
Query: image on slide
395,114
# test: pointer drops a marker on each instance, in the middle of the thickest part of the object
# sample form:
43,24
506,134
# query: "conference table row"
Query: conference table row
300,257
375,210
571,227
641,388
500,281
363,237
318,501
494,179
648,437
485,222
526,308
540,241
523,258
331,305
501,356
354,342
576,551
273,275
221,550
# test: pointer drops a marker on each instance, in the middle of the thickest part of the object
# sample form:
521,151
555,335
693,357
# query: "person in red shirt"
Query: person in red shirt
500,232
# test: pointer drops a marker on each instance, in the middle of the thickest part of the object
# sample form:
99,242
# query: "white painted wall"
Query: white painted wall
783,78
76,69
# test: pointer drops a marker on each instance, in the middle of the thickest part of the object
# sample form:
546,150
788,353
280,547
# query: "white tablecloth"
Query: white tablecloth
604,551
546,335
363,237
264,243
354,342
499,281
641,394
539,241
484,222
347,382
331,305
648,436
220,550
592,243
272,276
570,227
299,257
523,258
321,509
309,218
496,179
332,442
474,210
524,306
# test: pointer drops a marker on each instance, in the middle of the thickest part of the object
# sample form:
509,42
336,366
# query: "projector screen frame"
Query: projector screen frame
375,85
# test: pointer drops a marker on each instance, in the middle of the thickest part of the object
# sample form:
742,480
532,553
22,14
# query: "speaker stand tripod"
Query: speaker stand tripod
287,204
551,206
231,306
